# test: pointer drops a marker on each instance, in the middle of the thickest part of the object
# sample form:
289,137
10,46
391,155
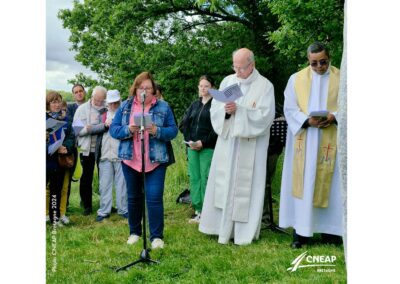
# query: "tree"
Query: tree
179,40
303,22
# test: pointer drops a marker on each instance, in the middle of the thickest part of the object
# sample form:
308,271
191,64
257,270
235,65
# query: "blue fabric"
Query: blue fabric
162,117
154,200
69,140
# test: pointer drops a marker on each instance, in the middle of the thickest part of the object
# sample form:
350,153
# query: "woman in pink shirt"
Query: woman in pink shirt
156,157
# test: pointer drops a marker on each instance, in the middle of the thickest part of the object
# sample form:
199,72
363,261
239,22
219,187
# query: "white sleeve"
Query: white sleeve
253,122
295,118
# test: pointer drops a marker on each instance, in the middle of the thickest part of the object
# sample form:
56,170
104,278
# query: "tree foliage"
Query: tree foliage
180,40
303,22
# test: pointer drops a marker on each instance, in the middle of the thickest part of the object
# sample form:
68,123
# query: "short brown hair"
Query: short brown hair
208,79
139,80
52,96
78,85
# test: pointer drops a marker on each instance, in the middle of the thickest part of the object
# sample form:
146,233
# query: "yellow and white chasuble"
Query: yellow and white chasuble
310,202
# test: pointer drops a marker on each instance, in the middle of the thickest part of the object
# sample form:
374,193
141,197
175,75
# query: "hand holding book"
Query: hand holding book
321,119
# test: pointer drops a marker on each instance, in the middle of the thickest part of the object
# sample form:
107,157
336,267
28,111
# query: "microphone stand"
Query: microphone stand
144,255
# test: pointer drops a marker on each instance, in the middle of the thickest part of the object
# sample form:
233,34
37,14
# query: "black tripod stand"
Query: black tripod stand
144,255
276,143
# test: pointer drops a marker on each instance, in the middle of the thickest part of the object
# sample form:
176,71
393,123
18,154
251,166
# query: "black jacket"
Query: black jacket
196,124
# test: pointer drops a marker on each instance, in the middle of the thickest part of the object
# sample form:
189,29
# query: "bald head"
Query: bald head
243,62
243,54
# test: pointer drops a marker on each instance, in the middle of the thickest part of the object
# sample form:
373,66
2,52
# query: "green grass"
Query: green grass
89,252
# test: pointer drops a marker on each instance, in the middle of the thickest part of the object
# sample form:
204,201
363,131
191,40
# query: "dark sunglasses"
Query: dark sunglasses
322,62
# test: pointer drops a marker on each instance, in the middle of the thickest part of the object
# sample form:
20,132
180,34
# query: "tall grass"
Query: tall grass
89,252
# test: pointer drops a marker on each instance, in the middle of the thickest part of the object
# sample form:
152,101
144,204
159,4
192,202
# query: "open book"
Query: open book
52,125
229,94
52,148
137,118
321,114
77,126
190,143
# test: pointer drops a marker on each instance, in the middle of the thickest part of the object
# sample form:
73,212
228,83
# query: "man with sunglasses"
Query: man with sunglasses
310,194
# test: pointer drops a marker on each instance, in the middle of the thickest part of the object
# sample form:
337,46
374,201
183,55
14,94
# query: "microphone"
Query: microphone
143,95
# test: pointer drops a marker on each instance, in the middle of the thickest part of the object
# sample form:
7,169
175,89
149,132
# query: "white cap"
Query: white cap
113,96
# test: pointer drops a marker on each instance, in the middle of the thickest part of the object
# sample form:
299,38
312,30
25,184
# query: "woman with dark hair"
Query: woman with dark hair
200,139
159,92
54,172
156,136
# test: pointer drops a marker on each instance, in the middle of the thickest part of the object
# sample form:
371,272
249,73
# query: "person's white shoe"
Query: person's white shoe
157,243
195,219
132,239
65,220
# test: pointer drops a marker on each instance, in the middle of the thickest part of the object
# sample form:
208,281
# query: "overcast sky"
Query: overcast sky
60,63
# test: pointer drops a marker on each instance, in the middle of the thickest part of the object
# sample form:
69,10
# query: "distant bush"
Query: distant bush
67,96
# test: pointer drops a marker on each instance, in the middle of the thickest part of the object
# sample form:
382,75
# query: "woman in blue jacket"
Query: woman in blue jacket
157,158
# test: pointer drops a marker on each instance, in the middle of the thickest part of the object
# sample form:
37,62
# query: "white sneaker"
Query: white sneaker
195,219
132,239
157,243
47,218
64,219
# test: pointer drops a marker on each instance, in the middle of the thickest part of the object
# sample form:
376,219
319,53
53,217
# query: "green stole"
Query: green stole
327,147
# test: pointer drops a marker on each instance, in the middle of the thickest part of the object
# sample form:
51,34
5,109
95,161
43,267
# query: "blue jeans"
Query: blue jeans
154,200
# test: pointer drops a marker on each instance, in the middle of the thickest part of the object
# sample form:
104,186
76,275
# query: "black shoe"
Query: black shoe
87,211
101,218
331,239
113,210
296,245
298,240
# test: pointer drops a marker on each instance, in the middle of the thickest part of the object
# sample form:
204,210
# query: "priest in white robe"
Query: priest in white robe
310,193
234,197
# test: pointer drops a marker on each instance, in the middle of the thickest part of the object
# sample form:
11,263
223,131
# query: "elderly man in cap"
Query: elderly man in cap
110,169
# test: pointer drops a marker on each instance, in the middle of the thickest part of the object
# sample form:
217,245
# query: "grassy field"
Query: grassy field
89,252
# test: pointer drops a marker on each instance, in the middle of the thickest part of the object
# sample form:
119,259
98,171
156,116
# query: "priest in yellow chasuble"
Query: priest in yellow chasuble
310,194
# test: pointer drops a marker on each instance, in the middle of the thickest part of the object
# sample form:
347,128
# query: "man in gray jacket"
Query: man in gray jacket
89,115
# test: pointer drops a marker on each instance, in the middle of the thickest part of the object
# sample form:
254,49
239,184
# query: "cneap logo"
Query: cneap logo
314,261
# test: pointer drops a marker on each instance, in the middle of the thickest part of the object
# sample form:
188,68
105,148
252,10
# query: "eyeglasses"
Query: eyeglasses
147,89
241,69
55,102
204,87
322,62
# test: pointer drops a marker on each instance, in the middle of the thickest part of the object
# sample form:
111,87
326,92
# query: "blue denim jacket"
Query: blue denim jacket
162,117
